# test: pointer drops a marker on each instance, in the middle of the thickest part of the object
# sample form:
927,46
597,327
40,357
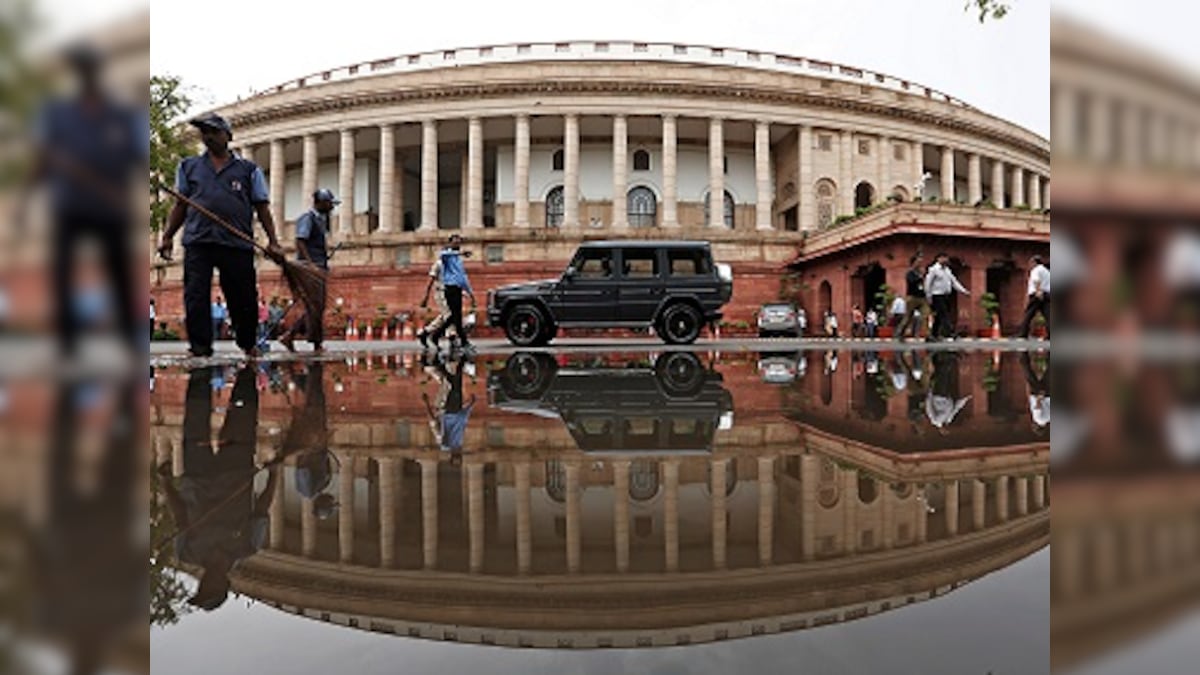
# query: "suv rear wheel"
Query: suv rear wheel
527,326
680,324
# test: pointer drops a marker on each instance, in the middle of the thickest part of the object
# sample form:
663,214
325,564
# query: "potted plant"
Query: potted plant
990,305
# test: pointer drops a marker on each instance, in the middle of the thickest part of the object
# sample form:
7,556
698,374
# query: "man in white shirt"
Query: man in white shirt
1038,292
940,282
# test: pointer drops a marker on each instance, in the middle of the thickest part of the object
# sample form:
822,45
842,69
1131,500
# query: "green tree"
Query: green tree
168,595
22,86
987,9
169,142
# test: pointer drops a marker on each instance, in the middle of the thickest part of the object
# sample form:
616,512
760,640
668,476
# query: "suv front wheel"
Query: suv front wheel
527,326
680,324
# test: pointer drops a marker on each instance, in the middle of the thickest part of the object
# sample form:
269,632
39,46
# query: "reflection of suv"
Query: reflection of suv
671,286
677,405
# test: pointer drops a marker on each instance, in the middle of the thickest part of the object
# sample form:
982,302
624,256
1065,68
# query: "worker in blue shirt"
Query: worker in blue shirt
234,188
455,283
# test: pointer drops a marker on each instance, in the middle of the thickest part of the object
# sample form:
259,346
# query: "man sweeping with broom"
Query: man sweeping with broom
312,235
217,195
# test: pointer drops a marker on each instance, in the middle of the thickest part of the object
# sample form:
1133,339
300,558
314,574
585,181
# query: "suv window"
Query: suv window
688,262
594,264
639,263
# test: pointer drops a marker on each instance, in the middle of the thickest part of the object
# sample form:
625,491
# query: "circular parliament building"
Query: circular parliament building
816,181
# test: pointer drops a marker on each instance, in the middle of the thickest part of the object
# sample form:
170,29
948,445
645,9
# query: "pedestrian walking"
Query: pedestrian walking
896,313
856,321
831,324
915,302
220,313
234,189
312,248
940,282
871,322
438,289
455,283
1038,292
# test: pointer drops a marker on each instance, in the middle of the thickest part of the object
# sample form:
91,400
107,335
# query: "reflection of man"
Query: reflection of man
308,440
940,405
220,520
449,420
1039,394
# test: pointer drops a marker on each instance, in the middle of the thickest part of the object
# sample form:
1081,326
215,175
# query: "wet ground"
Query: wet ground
582,511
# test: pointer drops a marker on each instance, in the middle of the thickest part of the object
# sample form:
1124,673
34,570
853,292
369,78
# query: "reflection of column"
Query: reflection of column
620,157
388,484
671,513
1039,492
849,478
346,183
921,505
475,513
1022,487
670,189
346,508
521,171
809,466
1002,498
176,457
1104,557
308,528
429,175
978,504
719,543
573,516
276,514
429,511
766,509
951,506
621,513
888,505
571,170
524,534
1067,569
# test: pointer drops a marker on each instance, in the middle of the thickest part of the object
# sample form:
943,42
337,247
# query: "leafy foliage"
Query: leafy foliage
168,141
987,9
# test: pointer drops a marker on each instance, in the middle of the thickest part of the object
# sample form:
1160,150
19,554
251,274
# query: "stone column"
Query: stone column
620,175
1002,498
248,152
429,511
308,528
1101,129
849,501
766,510
521,174
809,468
951,505
571,170
278,170
345,211
978,505
671,513
885,168
474,173
1035,192
389,484
346,508
308,173
1018,186
845,174
429,176
670,188
807,201
922,514
277,515
1045,194
716,173
475,515
1022,487
887,504
387,178
719,530
1063,134
398,194
998,183
1133,154
462,188
1039,492
918,167
762,175
948,174
524,531
573,517
974,180
620,470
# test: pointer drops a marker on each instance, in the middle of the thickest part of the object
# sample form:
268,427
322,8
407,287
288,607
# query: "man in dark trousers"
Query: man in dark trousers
90,151
234,188
940,282
219,518
1038,290
312,246
455,283
914,299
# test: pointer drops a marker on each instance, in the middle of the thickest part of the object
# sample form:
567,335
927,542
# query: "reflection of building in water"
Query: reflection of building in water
531,540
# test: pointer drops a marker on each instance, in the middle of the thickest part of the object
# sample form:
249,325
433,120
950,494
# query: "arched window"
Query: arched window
643,480
641,206
864,195
641,160
899,194
554,207
556,162
556,481
826,192
728,210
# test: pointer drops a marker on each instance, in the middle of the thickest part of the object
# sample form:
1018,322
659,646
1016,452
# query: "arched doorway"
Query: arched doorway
826,193
874,279
899,194
641,207
728,210
555,207
864,195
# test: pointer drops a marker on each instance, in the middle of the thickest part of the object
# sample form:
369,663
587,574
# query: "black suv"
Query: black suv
671,286
674,405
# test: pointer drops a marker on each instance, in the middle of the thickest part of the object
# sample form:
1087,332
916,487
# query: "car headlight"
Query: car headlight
726,421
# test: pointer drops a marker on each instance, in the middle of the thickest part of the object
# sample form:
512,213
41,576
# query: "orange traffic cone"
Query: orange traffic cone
995,326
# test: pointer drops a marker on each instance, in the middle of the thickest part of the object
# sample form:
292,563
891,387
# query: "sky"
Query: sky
1001,67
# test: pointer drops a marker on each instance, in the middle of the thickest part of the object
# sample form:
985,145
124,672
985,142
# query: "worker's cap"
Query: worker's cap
325,195
213,121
